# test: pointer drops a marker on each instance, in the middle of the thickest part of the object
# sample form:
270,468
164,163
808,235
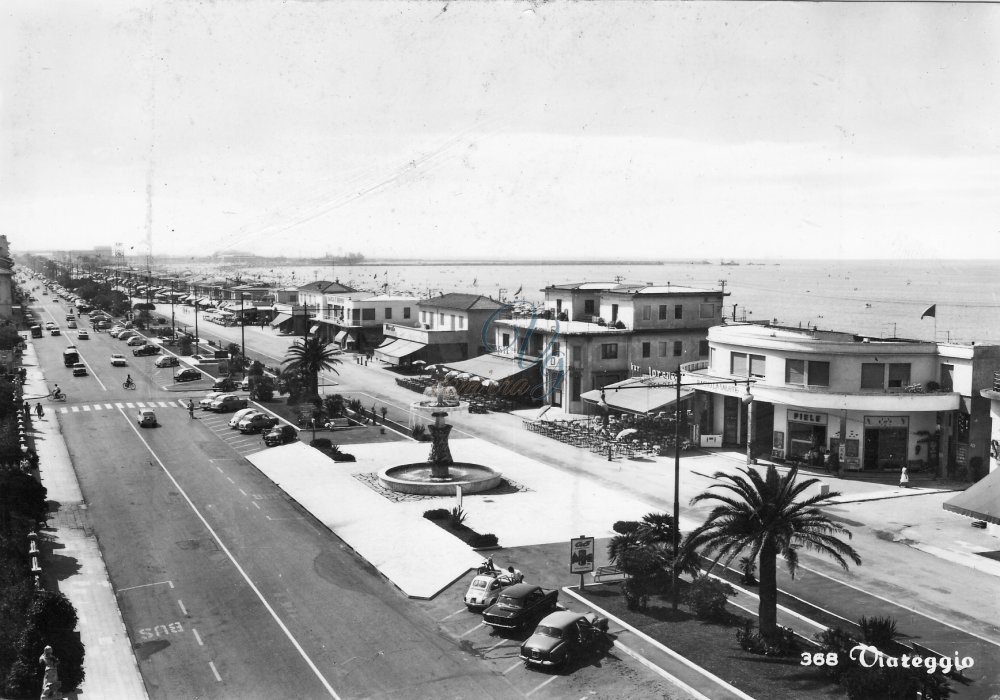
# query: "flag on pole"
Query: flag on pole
931,311
518,291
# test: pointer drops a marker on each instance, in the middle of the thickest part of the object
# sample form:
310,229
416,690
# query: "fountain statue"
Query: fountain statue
439,474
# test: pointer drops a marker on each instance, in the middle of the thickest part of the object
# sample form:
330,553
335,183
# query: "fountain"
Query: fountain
440,474
438,397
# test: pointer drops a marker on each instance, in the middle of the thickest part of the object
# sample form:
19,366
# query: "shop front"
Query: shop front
807,432
886,442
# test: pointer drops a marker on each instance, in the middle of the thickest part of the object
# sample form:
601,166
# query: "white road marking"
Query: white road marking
98,407
119,404
500,643
540,686
243,492
163,404
75,409
255,505
214,671
86,409
519,664
481,624
457,612
230,480
107,405
158,583
129,405
197,637
180,604
220,469
240,569
64,410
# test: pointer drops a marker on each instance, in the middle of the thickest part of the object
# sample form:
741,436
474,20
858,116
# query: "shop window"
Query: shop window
663,312
577,357
702,348
899,375
678,311
678,348
872,375
663,349
609,351
819,374
706,310
574,384
738,364
356,314
555,349
505,340
757,366
795,372
367,314
646,349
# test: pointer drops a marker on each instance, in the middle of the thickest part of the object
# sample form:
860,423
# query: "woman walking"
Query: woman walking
904,479
39,411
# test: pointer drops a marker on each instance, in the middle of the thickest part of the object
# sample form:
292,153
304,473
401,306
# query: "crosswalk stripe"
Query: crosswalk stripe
129,405
108,406
86,408
140,404
64,410
98,407
119,404
76,409
164,404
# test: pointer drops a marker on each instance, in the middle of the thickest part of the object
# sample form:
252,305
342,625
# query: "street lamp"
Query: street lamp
173,288
747,399
243,338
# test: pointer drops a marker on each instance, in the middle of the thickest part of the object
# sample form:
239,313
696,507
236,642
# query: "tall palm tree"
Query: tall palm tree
308,358
762,514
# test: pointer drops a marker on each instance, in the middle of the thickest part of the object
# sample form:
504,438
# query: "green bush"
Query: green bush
339,456
483,541
839,642
437,514
457,516
321,443
707,597
879,632
784,643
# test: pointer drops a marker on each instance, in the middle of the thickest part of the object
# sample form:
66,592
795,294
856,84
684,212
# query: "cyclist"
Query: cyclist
129,384
57,392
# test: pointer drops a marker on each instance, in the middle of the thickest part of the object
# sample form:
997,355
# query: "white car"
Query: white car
484,590
119,361
211,396
166,361
136,340
240,415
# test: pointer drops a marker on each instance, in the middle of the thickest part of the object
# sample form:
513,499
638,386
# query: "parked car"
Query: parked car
563,635
136,340
234,422
484,590
114,331
79,370
188,374
146,350
100,325
519,605
280,435
207,399
257,422
226,403
245,384
147,418
83,335
118,361
167,361
224,384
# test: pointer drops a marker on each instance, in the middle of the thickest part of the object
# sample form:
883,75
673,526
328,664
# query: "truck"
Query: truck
520,605
70,357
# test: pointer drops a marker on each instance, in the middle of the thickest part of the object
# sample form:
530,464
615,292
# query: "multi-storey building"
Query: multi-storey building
877,402
982,500
355,320
593,334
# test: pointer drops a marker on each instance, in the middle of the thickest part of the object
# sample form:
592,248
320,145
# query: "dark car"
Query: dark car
188,375
280,435
519,605
146,350
564,635
224,384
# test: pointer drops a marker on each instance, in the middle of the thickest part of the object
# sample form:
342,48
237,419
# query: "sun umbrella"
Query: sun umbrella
419,362
474,378
487,382
464,376
626,432
451,374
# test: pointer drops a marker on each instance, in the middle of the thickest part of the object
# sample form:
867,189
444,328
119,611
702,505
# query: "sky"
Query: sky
604,130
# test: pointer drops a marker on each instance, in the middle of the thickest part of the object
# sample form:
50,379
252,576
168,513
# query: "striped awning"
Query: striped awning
638,396
398,350
279,319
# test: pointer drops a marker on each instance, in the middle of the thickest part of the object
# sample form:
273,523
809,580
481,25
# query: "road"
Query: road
227,588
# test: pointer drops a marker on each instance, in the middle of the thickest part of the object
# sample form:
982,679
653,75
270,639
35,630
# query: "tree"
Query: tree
644,550
762,514
307,359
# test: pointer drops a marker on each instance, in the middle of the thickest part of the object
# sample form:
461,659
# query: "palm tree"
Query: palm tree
762,514
308,358
645,551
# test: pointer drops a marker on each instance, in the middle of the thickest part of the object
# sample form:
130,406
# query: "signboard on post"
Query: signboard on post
581,555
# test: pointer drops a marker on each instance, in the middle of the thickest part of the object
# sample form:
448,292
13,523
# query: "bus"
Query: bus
36,331
70,357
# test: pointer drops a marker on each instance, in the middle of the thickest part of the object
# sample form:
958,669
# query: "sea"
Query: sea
873,298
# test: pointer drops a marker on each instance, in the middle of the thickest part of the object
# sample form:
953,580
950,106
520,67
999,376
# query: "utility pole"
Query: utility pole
243,338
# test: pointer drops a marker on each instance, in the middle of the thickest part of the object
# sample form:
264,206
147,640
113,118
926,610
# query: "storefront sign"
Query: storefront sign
810,418
887,421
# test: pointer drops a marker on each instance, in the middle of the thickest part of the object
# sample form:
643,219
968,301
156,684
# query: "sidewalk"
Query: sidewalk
73,564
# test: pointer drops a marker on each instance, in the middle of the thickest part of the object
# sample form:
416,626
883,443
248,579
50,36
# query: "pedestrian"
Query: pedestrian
515,575
27,409
190,408
384,411
374,417
39,411
904,479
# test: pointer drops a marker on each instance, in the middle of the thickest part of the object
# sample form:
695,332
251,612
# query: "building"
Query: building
879,403
593,334
6,282
355,320
447,328
981,501
312,305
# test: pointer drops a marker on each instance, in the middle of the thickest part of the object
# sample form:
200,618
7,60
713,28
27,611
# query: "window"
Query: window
388,313
819,374
947,377
702,348
406,312
645,349
574,383
678,348
423,317
558,306
678,311
795,372
461,321
663,349
899,374
588,307
609,351
555,349
356,314
663,312
367,314
647,312
872,375
442,319
452,318
706,310
505,339
738,364
757,365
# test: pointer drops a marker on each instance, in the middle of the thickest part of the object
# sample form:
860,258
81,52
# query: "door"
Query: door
730,420
871,450
614,313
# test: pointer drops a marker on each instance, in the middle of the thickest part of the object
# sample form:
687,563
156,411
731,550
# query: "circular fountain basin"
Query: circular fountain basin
416,478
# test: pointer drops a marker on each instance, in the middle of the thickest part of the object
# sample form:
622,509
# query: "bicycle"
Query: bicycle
128,384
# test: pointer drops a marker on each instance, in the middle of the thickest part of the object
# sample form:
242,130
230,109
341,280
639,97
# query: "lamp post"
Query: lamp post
243,338
173,330
196,338
603,406
748,400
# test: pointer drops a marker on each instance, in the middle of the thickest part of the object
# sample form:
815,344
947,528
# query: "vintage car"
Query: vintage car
167,361
519,605
136,340
49,325
83,335
146,350
562,635
147,418
206,400
280,435
225,403
119,361
54,331
188,374
79,370
485,589
256,422
234,421
224,384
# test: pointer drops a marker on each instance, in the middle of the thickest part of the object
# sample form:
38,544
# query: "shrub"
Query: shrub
457,516
636,593
707,597
482,541
437,514
321,444
839,642
880,632
783,644
343,457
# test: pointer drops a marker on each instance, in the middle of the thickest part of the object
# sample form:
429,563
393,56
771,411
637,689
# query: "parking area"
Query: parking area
241,443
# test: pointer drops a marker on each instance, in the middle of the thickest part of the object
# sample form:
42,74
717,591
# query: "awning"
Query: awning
205,301
980,501
279,319
495,367
633,399
312,331
397,350
339,338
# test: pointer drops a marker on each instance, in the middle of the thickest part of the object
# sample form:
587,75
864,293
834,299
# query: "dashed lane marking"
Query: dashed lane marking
180,604
215,672
197,637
